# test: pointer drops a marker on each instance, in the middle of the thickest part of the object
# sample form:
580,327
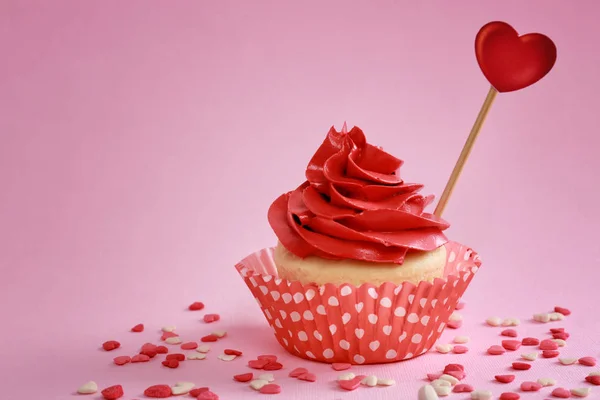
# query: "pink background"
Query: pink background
141,144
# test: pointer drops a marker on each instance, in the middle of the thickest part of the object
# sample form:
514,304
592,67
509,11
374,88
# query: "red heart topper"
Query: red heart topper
511,62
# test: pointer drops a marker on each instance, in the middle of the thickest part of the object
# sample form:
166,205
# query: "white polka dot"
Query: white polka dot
466,276
295,316
433,302
310,354
385,302
321,290
283,314
412,318
333,301
425,320
253,281
467,255
417,338
402,337
267,278
317,335
455,282
346,290
400,312
359,332
268,314
409,355
308,315
422,302
285,341
302,336
359,359
391,354
398,289
411,297
278,281
321,310
290,333
298,297
263,289
372,318
286,297
332,329
278,323
452,256
310,294
372,292
359,306
258,301
344,344
374,345
346,317
441,327
328,353
474,269
387,330
275,295
244,271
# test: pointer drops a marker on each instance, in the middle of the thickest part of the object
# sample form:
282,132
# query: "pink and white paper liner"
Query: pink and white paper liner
358,325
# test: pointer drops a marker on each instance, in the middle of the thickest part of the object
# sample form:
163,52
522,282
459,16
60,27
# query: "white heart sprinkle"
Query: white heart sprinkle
344,344
581,392
88,388
555,316
455,316
442,391
285,341
372,318
317,335
321,310
328,353
511,322
345,318
546,382
308,315
309,354
543,317
481,395
302,336
321,290
298,297
257,384
559,342
427,392
181,388
567,361
387,330
444,348
409,355
372,292
266,377
359,332
203,348
226,357
529,356
412,318
346,290
386,381
346,376
286,298
374,345
494,321
359,359
333,301
168,328
294,316
196,356
417,337
359,307
332,329
310,294
173,340
385,302
400,312
441,327
461,339
370,381
391,354
264,289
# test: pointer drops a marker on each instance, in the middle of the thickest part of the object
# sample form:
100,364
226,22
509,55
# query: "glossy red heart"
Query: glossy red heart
511,62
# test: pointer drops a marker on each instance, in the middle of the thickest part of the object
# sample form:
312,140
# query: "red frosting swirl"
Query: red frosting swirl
355,206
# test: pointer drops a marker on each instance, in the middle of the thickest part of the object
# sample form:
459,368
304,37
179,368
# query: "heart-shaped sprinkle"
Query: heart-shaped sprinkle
271,388
227,357
189,346
587,361
521,366
372,318
374,345
494,321
581,392
122,360
340,366
463,388
88,388
257,364
297,372
181,388
481,395
158,391
196,356
546,382
332,329
443,348
530,341
387,330
509,396
511,345
266,377
346,376
207,395
530,386
567,361
561,393
496,350
385,382
351,384
529,356
346,290
140,358
505,378
359,306
370,381
173,340
308,376
168,328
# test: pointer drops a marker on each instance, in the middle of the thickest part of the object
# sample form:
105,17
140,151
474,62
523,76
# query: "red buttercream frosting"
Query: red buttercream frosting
354,205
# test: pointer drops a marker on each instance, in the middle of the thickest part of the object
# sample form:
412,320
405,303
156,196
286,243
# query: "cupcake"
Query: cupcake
361,273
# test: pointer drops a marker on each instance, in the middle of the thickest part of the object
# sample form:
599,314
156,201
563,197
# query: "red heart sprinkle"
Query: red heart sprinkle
509,396
111,345
460,375
196,306
530,341
208,318
167,335
297,372
140,358
351,384
550,353
257,364
548,344
505,378
271,388
210,338
561,393
587,361
273,366
521,366
530,386
308,376
162,350
463,388
496,350
557,330
433,377
175,356
170,363
113,392
138,328
268,357
593,379
207,395
460,349
196,392
563,311
232,352
158,391
122,360
189,346
561,335
509,333
454,367
341,366
512,62
244,377
511,345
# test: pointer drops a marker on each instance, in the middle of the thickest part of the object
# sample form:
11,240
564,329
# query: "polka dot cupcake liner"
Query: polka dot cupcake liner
358,325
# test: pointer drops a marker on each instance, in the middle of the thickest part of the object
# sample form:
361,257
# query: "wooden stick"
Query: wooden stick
464,154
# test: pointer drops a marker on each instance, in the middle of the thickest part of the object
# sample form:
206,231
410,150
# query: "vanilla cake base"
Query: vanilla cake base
417,267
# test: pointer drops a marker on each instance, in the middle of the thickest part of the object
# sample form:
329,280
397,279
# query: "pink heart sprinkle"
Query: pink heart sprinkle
340,366
561,393
297,372
351,384
271,388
